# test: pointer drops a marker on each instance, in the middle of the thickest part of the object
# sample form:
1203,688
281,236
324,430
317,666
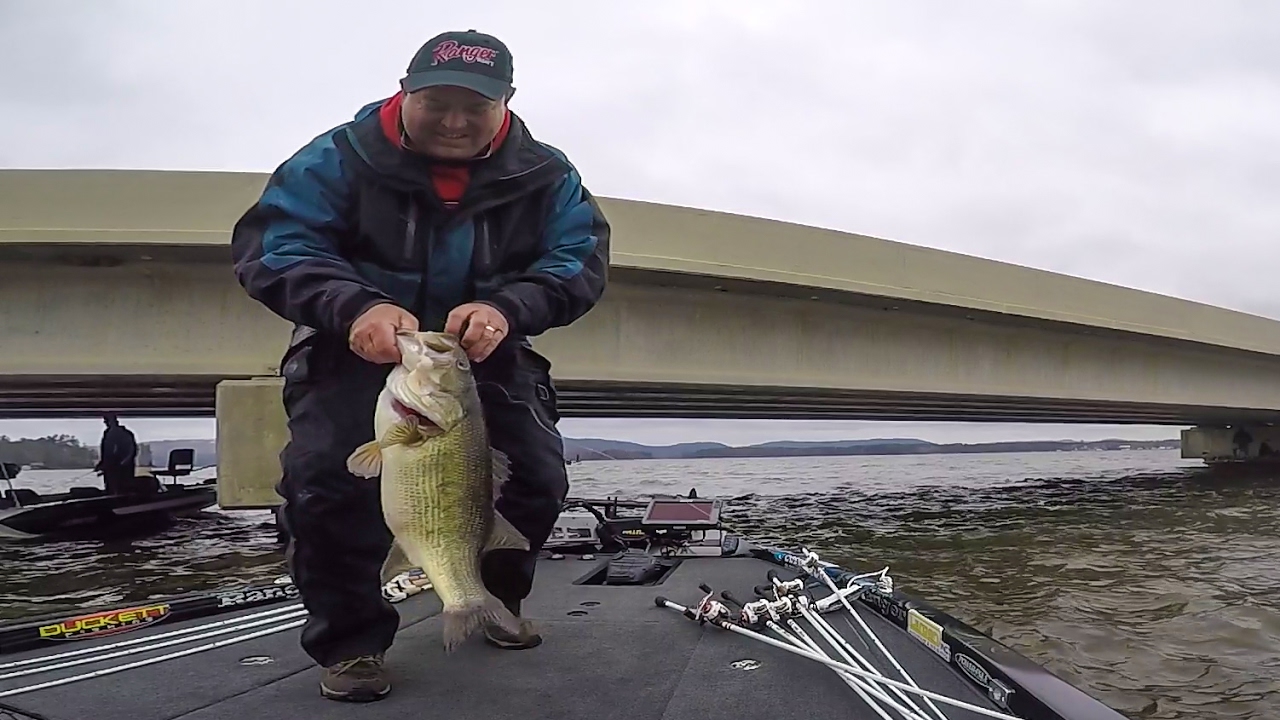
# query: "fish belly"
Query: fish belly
437,500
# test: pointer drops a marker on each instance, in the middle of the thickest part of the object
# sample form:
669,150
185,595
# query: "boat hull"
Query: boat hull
102,515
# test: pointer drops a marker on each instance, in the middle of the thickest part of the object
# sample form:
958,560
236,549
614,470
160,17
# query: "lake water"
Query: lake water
1140,577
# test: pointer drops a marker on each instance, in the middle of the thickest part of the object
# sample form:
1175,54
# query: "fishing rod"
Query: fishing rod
149,638
790,598
153,660
714,612
813,567
762,612
397,589
42,631
1009,681
100,656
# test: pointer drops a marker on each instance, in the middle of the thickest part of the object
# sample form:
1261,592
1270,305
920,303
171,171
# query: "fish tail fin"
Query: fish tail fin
460,622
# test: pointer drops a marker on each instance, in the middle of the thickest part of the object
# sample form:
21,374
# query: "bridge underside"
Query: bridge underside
33,397
155,337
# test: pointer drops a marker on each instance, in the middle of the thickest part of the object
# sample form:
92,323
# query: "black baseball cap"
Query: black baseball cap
470,59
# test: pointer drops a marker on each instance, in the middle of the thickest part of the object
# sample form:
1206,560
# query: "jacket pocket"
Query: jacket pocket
538,370
305,360
293,365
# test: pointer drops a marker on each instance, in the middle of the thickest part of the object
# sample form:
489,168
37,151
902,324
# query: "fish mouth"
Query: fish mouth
439,342
426,358
419,343
404,411
407,399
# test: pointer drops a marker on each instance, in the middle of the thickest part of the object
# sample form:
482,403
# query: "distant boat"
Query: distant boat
92,513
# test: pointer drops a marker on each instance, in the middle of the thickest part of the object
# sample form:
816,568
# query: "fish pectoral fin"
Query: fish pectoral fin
397,562
501,470
411,430
366,460
428,430
504,536
404,432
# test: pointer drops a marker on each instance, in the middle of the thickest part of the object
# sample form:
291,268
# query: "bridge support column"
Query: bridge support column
252,430
1235,443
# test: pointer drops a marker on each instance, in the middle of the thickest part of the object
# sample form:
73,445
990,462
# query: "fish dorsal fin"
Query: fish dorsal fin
501,470
504,536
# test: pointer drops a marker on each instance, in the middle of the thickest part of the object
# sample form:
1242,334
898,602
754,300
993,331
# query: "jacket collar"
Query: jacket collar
518,156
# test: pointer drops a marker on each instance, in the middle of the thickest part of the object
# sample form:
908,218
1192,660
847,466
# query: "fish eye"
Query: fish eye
462,363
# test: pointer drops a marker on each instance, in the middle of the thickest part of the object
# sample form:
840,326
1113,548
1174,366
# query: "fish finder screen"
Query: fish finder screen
682,512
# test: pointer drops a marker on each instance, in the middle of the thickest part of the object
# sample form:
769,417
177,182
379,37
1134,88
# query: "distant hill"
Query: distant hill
598,449
595,449
53,452
156,453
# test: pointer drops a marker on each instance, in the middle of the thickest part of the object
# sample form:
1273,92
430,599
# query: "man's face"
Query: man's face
451,123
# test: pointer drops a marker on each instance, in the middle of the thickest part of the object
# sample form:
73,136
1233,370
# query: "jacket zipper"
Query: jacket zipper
420,298
411,229
482,249
482,244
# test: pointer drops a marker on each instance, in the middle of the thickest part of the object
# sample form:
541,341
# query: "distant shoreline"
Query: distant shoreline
155,453
580,450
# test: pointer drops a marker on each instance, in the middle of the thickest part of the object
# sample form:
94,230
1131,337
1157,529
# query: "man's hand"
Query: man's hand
373,334
479,327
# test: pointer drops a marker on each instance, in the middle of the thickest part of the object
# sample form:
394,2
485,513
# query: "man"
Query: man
117,456
434,209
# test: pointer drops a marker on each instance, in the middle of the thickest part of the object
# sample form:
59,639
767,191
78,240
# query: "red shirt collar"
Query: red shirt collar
389,118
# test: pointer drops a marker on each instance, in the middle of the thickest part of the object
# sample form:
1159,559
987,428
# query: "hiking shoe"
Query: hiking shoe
360,679
528,636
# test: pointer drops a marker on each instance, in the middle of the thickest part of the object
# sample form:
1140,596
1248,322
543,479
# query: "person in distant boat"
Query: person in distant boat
433,209
117,456
1242,439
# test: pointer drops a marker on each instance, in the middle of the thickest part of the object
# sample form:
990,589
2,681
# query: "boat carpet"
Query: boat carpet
609,652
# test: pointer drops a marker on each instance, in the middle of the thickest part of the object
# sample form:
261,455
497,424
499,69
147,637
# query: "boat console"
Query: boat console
671,526
644,547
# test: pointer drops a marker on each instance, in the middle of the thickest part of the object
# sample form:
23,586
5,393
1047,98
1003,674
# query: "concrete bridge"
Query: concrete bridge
117,294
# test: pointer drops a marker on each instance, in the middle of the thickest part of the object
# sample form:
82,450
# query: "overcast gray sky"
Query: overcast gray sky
1136,143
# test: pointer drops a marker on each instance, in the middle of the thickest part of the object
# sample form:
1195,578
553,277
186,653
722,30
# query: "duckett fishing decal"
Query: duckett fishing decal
109,622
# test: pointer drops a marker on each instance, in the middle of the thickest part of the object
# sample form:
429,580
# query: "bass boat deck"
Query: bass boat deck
639,632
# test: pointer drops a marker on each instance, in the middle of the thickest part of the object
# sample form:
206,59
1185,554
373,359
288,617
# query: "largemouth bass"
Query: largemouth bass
439,479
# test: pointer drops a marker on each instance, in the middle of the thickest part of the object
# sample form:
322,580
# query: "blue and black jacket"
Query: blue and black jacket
352,220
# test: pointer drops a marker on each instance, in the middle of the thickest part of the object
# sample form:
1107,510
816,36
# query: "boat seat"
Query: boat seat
21,496
181,462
